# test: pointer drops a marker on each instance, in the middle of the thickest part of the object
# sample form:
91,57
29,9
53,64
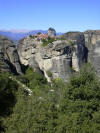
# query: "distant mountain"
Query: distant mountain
16,35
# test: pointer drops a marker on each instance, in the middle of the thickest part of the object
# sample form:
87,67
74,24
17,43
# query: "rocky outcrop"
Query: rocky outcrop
80,41
58,59
78,36
51,32
9,59
27,50
92,41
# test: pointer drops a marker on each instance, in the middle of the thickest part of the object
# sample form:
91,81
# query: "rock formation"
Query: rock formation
58,58
92,41
9,59
51,32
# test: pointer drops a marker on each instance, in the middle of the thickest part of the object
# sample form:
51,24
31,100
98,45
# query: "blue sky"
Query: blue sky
63,15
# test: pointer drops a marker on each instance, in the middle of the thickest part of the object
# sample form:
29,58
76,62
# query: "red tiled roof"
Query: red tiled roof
42,36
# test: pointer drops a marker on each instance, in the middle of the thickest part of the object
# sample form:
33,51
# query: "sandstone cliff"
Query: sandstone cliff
9,59
58,59
92,41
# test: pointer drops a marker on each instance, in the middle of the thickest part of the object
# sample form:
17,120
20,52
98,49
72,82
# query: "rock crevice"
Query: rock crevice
60,57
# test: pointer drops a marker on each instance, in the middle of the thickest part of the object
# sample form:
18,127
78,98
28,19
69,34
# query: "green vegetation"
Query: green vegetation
72,107
32,79
47,41
71,43
8,90
49,74
31,36
39,33
62,38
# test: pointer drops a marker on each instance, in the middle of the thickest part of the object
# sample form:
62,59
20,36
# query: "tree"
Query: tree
80,105
8,89
72,107
39,33
32,79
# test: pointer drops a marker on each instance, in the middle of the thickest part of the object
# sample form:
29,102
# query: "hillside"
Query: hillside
50,84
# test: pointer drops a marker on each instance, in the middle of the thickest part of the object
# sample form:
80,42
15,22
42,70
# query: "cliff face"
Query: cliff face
58,59
92,41
9,59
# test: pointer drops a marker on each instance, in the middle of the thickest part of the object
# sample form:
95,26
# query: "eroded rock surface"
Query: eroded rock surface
92,41
51,32
59,58
9,59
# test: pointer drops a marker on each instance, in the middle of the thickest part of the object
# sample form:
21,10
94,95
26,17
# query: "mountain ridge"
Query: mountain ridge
16,35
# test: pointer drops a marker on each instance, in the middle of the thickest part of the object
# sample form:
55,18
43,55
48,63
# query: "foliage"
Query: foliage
81,104
32,79
71,43
39,33
8,89
72,107
32,36
62,38
49,74
47,41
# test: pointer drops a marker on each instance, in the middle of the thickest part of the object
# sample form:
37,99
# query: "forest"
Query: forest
56,107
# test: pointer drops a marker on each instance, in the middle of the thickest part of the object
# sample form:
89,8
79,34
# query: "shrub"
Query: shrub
32,36
61,108
71,43
39,33
49,74
49,40
8,90
32,79
45,42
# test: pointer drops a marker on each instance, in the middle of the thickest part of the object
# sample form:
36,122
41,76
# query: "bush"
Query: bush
8,90
32,79
46,42
71,43
49,74
81,100
39,33
61,108
31,36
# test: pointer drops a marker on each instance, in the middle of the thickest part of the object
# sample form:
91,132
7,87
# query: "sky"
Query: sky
63,15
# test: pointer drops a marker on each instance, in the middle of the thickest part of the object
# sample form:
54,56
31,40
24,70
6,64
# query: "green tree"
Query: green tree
80,105
72,107
8,90
39,33
32,79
